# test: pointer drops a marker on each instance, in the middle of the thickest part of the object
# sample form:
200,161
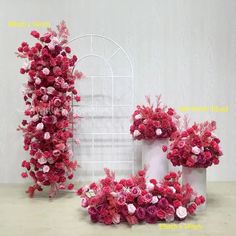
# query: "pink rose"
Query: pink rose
121,200
56,152
135,191
181,144
57,102
148,197
84,202
140,213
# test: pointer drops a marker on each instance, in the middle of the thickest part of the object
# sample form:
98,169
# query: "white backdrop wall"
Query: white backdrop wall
183,49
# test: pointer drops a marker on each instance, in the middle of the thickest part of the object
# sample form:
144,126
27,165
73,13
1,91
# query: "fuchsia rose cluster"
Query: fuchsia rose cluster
49,90
135,200
196,146
153,122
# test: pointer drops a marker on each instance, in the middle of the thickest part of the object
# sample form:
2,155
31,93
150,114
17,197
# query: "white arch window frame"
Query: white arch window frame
106,61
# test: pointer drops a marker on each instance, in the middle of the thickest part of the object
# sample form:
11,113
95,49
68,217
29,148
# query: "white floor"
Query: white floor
22,216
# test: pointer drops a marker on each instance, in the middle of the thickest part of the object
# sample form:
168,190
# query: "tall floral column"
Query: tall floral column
49,76
154,125
196,148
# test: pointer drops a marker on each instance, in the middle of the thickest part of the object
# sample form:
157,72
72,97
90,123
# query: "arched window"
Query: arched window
107,95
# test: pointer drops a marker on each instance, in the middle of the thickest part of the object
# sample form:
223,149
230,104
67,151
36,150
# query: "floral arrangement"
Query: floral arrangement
135,200
153,122
48,94
196,146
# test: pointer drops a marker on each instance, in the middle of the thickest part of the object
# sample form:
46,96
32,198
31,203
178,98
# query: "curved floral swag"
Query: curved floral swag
49,90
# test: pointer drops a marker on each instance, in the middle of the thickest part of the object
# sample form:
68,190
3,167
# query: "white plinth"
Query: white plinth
155,159
196,177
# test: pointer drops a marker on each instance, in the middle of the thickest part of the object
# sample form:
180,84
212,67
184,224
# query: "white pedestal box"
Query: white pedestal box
155,159
196,177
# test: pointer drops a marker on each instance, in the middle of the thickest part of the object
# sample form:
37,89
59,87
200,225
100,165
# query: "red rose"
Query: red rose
35,34
161,214
177,203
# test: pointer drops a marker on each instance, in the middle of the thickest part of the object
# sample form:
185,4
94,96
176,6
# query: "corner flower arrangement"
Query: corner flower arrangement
49,89
196,146
135,199
153,122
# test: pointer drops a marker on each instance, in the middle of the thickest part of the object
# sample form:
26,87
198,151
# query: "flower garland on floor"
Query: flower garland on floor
196,146
48,94
133,200
153,122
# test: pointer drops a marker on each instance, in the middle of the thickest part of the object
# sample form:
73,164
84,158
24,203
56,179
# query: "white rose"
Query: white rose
181,212
136,133
46,169
42,160
50,90
154,200
131,209
173,189
26,65
50,160
55,40
114,194
47,135
51,46
38,81
35,118
39,126
145,121
45,98
138,117
65,85
64,112
116,219
150,186
46,71
196,150
158,132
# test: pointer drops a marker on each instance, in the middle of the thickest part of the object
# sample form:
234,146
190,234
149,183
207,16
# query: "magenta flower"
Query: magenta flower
50,87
